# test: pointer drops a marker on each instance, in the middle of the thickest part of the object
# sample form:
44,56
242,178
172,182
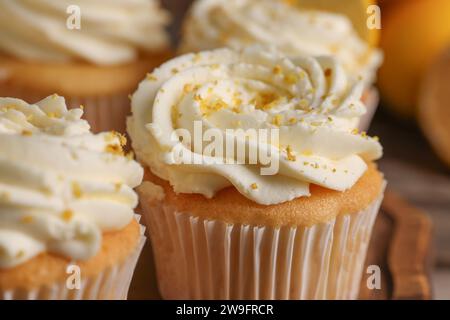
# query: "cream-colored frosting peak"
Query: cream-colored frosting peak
237,23
111,31
311,101
61,186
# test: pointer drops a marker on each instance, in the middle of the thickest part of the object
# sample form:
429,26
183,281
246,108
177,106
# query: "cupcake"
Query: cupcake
231,225
237,23
67,224
92,52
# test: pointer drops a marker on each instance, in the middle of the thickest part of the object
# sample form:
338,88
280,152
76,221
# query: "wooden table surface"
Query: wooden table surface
410,167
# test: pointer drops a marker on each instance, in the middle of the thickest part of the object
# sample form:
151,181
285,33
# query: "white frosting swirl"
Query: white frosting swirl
310,100
112,31
60,185
237,23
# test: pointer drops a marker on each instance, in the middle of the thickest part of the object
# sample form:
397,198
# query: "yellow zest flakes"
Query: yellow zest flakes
330,119
305,163
272,104
51,115
236,110
291,79
277,69
110,136
306,153
355,131
76,190
118,186
237,101
114,149
27,133
264,100
316,123
188,88
214,66
293,120
277,119
290,155
175,114
254,186
151,77
54,96
328,72
175,71
334,170
26,219
122,139
376,138
208,108
67,215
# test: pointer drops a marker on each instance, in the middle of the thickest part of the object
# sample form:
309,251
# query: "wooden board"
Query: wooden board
399,246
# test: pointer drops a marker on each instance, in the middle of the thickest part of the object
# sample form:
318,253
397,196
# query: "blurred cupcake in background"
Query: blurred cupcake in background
293,30
223,226
66,199
42,51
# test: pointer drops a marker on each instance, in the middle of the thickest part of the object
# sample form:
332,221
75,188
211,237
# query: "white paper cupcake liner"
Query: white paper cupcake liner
111,284
208,259
103,112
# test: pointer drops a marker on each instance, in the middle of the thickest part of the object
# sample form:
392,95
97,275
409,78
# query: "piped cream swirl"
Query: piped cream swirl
237,23
61,186
310,100
111,32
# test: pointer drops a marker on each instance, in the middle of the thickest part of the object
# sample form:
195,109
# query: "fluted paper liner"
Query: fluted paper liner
207,259
111,284
103,112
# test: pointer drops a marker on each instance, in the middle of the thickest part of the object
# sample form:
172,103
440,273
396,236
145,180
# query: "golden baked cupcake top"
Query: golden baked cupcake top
295,119
237,23
97,31
61,187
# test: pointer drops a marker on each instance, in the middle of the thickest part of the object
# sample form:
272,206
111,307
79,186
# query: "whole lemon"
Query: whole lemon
414,32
